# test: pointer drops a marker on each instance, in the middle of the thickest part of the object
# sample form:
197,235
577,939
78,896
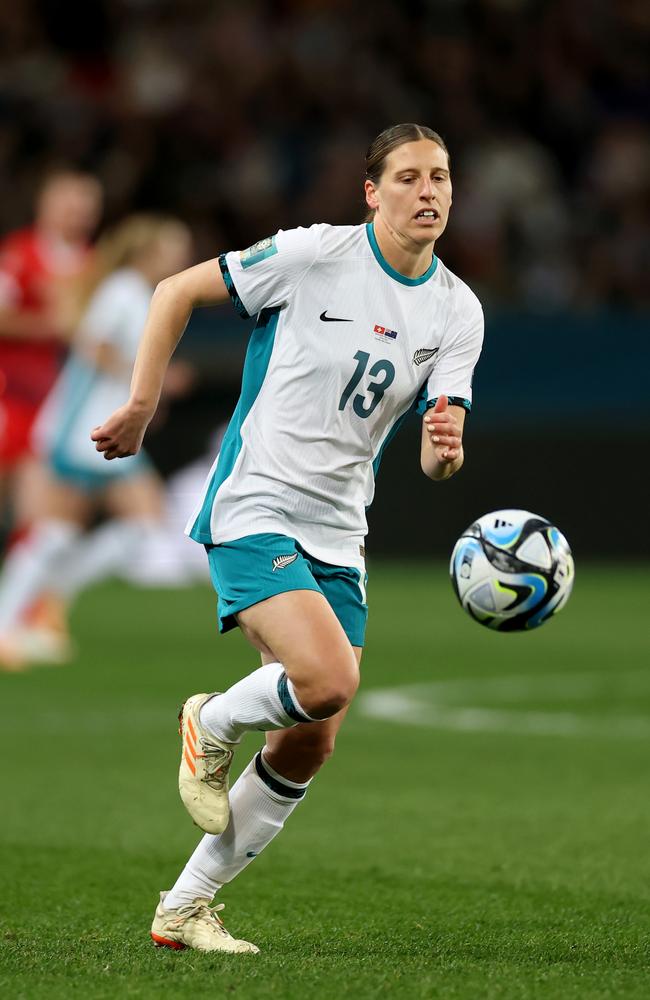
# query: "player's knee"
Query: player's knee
329,692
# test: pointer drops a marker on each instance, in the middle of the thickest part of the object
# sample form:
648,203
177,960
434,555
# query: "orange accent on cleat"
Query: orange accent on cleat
161,942
189,762
191,729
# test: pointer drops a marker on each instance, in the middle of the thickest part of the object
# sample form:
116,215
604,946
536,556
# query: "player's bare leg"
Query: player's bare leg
314,677
261,800
32,613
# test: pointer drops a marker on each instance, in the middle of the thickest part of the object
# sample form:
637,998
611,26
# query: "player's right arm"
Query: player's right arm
171,307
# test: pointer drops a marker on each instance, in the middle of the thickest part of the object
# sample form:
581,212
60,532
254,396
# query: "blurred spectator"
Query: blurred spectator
239,117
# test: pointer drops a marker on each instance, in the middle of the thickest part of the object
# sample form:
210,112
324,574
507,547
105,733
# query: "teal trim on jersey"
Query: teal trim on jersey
230,285
258,356
452,400
385,266
413,408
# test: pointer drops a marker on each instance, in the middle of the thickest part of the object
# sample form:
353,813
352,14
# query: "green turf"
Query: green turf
424,862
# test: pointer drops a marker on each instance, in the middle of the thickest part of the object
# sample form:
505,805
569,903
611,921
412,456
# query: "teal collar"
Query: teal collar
385,266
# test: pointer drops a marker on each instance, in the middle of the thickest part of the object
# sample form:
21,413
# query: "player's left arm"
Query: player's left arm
450,383
441,450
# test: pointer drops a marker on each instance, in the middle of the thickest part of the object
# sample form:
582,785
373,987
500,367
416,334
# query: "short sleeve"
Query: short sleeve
267,274
454,367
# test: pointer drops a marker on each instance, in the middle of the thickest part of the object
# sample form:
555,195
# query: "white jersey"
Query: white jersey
343,349
83,396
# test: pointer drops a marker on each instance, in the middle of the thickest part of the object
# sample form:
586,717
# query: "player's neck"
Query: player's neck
408,258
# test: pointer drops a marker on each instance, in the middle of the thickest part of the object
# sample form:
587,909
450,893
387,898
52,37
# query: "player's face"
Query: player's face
70,207
413,196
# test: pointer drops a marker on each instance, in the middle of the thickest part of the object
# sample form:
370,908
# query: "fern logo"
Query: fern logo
423,354
281,562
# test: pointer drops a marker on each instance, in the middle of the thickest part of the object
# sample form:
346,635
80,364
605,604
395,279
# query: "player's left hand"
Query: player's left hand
444,430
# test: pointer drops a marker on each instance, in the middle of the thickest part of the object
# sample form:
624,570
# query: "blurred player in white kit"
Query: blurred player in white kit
56,555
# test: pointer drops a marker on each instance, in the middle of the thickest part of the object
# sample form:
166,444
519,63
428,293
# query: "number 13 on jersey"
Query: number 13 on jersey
361,405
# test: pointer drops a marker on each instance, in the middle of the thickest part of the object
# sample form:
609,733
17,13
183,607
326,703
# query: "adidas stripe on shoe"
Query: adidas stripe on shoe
203,773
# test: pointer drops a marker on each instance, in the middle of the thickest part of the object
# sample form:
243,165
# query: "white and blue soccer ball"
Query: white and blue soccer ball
512,570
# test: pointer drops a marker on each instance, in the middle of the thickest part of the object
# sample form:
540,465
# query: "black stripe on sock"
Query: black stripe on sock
288,702
276,786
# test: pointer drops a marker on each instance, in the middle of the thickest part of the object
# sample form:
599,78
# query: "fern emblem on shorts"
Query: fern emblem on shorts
281,562
423,354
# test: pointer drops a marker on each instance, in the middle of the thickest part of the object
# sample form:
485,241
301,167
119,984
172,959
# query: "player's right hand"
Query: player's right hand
121,435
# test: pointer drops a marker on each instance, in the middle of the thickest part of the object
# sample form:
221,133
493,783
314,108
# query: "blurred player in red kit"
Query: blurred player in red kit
38,266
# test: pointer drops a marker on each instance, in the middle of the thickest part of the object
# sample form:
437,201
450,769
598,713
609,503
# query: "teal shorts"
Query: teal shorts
251,569
88,480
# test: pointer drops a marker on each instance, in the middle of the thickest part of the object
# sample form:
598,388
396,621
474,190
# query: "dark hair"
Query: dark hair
390,139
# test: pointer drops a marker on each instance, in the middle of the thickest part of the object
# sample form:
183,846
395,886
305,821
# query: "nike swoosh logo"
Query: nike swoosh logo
333,319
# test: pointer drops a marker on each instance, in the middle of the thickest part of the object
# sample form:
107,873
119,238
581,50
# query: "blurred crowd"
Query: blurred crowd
240,118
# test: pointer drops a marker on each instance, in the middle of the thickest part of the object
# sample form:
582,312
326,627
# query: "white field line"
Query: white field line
456,705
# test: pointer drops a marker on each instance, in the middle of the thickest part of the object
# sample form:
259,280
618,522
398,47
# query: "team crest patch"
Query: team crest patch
258,252
424,354
280,562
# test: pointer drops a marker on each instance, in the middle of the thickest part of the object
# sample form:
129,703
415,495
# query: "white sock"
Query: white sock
103,552
260,802
263,700
32,566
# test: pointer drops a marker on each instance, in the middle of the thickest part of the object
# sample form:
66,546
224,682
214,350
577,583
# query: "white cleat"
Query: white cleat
195,925
203,774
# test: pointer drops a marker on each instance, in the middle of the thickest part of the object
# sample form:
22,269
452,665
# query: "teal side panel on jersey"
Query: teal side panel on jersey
385,266
79,379
413,408
258,356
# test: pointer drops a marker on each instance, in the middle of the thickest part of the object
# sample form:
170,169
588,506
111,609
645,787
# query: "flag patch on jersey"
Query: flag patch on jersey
424,354
279,562
258,252
382,331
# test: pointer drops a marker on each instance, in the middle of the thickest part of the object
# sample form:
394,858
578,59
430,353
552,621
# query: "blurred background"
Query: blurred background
244,118
510,856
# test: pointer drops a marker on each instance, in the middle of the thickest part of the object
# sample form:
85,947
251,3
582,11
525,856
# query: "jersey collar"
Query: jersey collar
385,266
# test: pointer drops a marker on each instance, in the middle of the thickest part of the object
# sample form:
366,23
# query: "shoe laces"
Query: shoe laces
201,911
216,763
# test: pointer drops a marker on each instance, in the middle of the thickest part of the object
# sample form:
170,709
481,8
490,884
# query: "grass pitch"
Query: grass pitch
497,849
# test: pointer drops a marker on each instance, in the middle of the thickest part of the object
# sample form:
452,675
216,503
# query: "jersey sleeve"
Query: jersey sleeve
267,274
454,367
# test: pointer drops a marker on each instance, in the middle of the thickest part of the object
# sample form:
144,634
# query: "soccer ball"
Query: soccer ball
512,570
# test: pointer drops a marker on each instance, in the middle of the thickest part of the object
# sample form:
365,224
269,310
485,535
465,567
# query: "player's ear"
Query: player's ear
372,201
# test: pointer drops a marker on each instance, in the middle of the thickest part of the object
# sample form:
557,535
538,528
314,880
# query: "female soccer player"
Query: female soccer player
356,326
38,266
55,555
